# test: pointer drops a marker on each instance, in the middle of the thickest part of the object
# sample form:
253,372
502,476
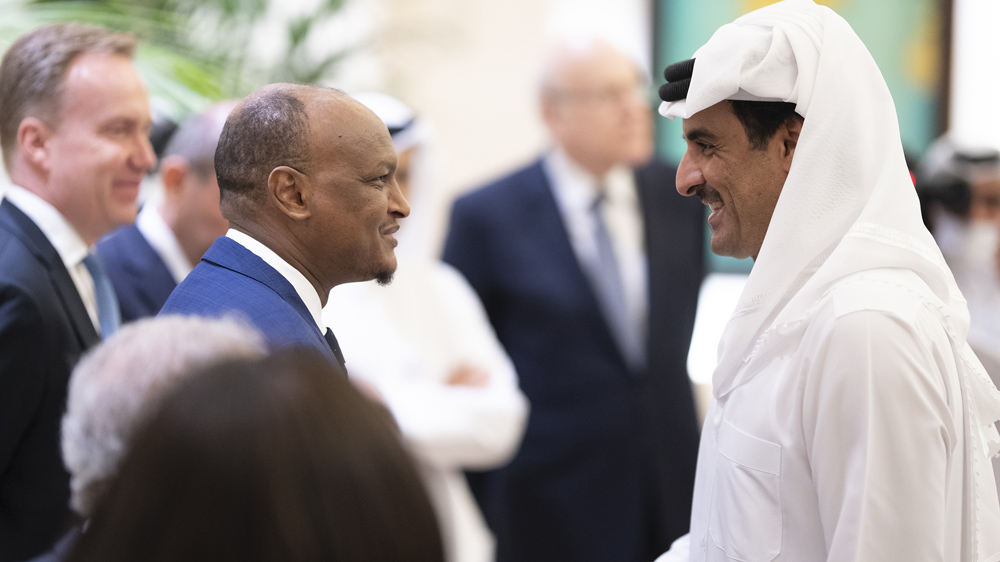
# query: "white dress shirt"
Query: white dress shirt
163,240
64,238
302,286
575,190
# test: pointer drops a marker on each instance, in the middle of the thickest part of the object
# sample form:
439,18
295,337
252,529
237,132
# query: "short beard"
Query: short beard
384,277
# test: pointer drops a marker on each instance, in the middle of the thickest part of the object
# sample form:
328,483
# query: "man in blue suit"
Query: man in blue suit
307,178
589,265
147,260
74,118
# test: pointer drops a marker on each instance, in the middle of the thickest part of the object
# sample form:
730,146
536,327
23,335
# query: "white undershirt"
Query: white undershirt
299,282
65,239
163,240
575,190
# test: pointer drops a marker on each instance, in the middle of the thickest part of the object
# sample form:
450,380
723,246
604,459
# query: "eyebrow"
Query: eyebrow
700,133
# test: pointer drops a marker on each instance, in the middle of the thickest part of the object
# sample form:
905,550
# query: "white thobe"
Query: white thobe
407,339
852,421
842,441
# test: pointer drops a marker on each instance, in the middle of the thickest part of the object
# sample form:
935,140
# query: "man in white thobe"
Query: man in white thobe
850,419
426,344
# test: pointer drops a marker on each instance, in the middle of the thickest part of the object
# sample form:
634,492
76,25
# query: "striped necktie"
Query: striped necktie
607,280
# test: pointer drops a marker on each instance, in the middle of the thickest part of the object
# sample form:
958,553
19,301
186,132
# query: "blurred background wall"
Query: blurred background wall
470,67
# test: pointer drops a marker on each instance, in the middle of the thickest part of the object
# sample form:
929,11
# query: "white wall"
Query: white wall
471,67
975,72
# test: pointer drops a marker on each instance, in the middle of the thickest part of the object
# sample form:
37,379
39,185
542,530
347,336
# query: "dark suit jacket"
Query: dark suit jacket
141,279
44,327
606,468
232,280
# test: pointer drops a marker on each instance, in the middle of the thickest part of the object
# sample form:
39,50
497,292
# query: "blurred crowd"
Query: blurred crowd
232,338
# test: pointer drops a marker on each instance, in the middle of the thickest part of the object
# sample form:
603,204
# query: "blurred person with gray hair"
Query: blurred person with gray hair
588,264
147,260
118,386
426,344
270,460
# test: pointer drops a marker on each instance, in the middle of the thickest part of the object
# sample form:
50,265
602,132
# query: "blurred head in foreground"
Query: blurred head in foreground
279,459
118,385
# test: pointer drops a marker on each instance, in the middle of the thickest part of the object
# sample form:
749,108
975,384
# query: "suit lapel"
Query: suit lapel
19,225
547,221
228,253
147,265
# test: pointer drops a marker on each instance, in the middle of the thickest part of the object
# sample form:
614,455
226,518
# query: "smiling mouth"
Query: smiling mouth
388,233
127,189
711,198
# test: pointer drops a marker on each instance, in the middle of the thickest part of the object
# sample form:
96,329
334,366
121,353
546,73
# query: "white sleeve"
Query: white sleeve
881,438
460,426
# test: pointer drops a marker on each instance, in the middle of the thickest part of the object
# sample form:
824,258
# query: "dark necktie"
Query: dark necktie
108,313
611,291
335,347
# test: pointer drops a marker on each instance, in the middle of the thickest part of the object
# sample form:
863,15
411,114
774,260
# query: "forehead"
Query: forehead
99,86
594,66
347,133
717,120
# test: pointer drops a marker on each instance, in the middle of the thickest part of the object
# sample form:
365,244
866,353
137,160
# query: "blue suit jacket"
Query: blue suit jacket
606,467
141,279
44,327
232,280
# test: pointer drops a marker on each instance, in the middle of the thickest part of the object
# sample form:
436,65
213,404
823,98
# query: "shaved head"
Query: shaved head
269,128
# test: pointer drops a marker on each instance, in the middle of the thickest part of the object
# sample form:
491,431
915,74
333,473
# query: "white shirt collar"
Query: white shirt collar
163,240
60,233
575,188
299,282
66,241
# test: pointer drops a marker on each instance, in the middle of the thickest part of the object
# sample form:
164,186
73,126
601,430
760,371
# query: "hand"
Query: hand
467,375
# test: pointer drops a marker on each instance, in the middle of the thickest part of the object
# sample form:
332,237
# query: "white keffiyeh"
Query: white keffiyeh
848,205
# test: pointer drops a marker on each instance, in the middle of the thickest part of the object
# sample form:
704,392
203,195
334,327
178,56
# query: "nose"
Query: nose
143,157
689,176
398,206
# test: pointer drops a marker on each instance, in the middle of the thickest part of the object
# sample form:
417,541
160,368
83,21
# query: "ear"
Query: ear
790,138
288,189
173,171
33,141
551,109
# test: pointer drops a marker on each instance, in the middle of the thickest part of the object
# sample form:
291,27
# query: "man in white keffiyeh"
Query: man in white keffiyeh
850,419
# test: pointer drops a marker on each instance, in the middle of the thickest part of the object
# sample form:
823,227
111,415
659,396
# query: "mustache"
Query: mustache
707,194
